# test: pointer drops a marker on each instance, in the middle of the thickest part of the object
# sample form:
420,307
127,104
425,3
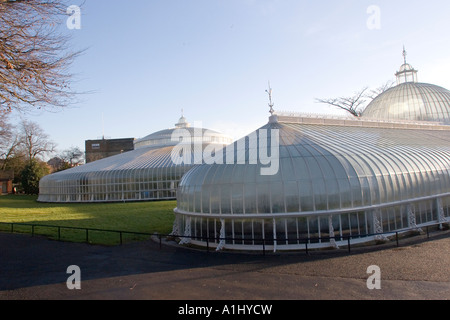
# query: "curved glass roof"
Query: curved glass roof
411,101
324,165
318,180
164,137
152,171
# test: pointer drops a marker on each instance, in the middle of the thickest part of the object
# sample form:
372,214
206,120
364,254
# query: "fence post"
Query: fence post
87,235
120,234
306,246
348,243
264,246
396,237
59,233
32,230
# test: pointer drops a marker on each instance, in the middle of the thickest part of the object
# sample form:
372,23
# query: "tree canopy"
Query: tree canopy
35,55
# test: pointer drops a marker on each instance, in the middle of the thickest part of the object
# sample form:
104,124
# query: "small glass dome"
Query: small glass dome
150,172
164,137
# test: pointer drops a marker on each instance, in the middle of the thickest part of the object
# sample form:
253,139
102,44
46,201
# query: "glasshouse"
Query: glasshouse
150,172
317,181
410,100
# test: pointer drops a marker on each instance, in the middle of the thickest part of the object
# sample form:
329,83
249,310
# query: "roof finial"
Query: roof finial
270,100
182,122
404,54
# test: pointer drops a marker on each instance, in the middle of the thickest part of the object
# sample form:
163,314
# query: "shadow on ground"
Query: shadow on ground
27,262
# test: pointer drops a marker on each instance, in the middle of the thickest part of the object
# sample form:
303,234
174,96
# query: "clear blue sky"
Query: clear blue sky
147,60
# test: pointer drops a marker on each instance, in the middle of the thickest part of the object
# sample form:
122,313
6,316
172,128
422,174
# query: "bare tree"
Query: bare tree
34,141
356,104
9,141
72,156
384,87
6,130
34,56
351,104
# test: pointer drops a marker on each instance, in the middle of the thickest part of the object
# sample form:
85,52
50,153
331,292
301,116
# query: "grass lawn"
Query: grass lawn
145,217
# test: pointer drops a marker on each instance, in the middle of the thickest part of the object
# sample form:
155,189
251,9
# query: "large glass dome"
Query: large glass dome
335,178
411,100
150,172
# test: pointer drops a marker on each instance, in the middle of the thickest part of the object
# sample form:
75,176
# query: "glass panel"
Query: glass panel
263,201
303,228
247,229
313,227
258,231
250,198
281,225
306,196
292,231
237,198
268,231
225,199
292,197
277,197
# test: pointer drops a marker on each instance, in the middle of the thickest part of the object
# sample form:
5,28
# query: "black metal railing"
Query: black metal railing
264,242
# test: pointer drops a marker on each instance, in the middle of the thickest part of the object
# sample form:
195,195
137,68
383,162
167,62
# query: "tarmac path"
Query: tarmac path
35,268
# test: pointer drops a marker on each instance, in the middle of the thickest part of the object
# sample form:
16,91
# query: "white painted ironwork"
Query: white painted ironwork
440,212
187,232
377,225
331,232
176,226
221,235
410,211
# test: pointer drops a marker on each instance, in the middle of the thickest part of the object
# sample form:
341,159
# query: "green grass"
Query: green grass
140,217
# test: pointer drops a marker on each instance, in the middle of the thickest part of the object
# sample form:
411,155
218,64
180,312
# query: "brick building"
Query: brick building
6,181
103,148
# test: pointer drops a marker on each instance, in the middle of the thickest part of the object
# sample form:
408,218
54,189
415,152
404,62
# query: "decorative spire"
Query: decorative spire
406,73
182,122
269,92
404,54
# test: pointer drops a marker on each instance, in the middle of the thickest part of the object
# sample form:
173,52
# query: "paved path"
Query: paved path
34,268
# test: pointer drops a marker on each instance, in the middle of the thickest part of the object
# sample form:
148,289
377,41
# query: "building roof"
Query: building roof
164,137
324,164
149,172
411,100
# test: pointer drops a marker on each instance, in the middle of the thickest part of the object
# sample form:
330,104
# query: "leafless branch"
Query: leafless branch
384,87
356,104
350,104
35,141
34,56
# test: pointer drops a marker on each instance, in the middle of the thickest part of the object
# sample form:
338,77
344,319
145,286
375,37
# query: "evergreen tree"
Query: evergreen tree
32,174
